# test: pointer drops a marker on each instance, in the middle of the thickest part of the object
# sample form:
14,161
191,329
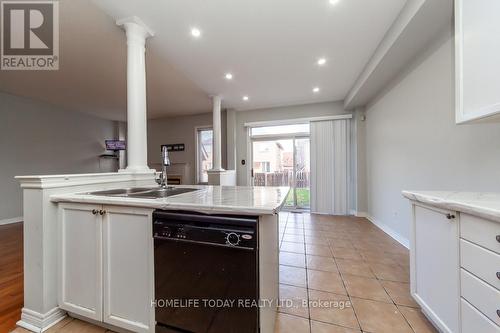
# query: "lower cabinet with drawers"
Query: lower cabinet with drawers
455,269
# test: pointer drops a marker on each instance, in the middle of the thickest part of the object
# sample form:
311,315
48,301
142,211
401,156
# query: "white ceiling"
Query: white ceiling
270,46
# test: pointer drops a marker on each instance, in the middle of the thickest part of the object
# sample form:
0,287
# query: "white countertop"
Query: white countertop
211,199
485,205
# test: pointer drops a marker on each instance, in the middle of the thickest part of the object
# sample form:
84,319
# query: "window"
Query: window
204,139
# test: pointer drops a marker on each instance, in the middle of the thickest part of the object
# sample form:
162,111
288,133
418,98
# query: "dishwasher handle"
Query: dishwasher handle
176,217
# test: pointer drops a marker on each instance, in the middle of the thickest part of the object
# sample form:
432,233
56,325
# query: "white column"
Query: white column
137,144
217,157
217,175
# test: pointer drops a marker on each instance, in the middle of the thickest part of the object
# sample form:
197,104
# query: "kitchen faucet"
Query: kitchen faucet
165,161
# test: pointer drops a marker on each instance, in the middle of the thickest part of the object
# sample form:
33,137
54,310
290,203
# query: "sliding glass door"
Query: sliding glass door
283,161
302,173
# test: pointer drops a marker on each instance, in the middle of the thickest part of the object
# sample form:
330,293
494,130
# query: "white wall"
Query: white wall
279,113
38,138
413,143
173,130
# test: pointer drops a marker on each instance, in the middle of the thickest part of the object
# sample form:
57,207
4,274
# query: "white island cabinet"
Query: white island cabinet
455,259
106,264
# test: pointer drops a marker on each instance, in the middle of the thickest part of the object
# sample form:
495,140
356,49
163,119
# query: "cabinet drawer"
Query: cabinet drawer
474,321
481,295
480,231
480,262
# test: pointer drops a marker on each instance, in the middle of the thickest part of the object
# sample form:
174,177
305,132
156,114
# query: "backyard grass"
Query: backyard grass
303,197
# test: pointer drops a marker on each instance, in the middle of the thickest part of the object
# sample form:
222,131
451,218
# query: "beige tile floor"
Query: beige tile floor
343,274
337,275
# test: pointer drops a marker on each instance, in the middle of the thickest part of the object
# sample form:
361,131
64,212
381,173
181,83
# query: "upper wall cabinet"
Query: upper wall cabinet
477,60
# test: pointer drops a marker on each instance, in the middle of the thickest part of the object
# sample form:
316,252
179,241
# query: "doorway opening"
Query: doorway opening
281,157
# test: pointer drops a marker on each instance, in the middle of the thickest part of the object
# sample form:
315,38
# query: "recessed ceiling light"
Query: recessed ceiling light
316,90
195,32
321,61
245,98
333,2
229,76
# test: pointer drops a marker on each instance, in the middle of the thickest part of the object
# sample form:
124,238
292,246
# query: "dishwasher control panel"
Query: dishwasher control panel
208,232
169,231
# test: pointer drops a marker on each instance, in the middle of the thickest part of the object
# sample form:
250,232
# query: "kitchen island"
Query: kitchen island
102,254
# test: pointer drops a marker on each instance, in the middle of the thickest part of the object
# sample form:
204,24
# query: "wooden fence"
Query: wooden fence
282,178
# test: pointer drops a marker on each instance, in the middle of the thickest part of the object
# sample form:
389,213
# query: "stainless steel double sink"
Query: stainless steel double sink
144,192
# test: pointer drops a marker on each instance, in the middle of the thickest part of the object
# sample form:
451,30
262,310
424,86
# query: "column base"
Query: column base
138,169
222,177
37,322
217,170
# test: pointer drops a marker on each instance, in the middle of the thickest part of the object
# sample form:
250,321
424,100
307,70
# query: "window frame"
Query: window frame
278,135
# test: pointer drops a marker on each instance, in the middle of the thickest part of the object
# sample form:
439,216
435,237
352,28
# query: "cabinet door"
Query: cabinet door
128,268
80,274
435,266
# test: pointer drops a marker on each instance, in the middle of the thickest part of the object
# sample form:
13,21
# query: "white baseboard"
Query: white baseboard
12,220
36,322
396,236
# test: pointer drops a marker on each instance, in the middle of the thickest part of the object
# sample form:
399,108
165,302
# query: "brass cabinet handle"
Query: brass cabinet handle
94,211
102,212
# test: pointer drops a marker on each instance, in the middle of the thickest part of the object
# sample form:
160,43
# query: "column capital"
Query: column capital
215,97
136,26
216,103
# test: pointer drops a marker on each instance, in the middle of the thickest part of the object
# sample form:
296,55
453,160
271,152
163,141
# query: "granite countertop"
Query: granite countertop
485,205
209,199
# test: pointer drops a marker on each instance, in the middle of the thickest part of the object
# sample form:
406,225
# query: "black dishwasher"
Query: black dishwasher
206,272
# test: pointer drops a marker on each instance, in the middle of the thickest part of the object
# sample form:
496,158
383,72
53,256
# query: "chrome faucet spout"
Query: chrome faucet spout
165,162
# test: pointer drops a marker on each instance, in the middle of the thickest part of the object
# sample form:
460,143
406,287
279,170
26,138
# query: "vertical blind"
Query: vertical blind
330,166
